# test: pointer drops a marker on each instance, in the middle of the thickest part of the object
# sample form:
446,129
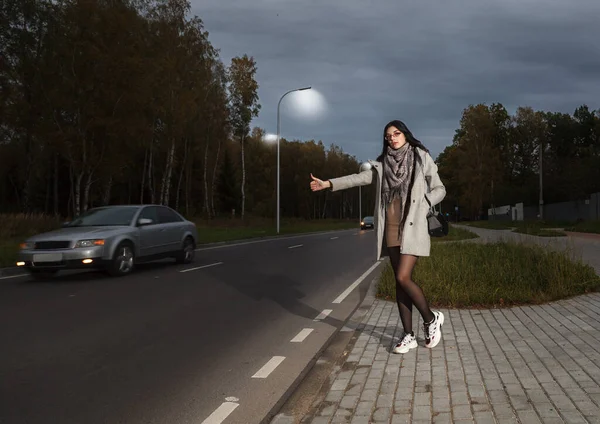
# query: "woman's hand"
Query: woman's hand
317,184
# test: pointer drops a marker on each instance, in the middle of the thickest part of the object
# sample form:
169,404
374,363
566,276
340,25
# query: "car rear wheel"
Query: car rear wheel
188,251
123,260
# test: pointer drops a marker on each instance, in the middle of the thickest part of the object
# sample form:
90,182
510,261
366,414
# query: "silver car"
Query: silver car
113,238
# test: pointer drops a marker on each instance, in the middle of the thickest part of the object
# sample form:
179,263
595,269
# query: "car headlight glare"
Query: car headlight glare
90,243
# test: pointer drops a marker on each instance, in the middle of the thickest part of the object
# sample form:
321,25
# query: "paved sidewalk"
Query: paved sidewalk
525,365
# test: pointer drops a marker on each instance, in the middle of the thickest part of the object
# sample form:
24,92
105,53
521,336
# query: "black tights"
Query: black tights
407,291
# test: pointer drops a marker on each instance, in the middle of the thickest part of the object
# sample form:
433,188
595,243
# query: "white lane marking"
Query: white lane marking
221,413
324,314
355,234
200,267
269,367
14,276
269,239
297,245
346,292
303,334
333,238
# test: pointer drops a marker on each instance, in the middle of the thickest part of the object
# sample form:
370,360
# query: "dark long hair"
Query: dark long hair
410,138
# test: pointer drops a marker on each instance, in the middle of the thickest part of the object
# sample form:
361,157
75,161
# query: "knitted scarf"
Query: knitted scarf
397,173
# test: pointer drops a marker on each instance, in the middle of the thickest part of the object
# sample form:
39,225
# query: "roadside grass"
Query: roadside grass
16,228
459,275
455,234
521,225
585,227
540,232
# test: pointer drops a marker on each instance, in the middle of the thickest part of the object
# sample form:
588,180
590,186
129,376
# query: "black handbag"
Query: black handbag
437,224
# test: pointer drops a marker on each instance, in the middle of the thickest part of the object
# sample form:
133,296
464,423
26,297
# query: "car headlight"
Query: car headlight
89,243
27,245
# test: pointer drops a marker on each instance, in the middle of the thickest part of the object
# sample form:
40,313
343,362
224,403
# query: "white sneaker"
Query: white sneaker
407,343
433,332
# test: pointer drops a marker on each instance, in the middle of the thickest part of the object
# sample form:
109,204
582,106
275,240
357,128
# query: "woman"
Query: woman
408,184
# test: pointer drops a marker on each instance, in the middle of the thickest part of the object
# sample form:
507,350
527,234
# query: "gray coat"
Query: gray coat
415,236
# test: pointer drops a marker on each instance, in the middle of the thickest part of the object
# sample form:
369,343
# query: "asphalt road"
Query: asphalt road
205,343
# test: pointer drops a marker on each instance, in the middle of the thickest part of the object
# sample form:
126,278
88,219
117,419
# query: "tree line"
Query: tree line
127,101
495,158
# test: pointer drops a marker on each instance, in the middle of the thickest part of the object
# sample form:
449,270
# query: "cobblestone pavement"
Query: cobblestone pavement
527,364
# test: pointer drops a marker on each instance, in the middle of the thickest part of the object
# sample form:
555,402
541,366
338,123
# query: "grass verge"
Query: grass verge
455,234
491,275
585,227
507,225
540,232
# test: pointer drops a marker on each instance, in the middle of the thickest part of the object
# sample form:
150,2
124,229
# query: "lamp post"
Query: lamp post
363,167
278,136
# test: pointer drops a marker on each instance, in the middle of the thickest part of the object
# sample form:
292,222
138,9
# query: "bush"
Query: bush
499,274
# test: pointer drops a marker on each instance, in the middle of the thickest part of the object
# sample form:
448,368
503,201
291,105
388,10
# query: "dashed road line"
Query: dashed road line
200,267
14,276
221,413
223,246
324,314
302,335
352,286
295,246
269,367
334,238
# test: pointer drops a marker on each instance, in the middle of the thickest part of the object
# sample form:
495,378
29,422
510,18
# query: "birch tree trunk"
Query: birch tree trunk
86,191
166,181
77,194
243,180
206,207
150,183
107,191
214,179
182,168
144,178
55,184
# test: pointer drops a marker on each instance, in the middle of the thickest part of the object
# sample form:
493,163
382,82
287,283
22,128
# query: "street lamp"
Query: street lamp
278,137
363,167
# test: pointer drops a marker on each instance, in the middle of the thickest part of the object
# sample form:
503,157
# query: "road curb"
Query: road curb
355,318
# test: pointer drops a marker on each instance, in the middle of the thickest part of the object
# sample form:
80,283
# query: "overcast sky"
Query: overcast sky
421,62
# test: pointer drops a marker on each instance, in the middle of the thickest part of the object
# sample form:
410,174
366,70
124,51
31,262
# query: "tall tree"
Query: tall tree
243,89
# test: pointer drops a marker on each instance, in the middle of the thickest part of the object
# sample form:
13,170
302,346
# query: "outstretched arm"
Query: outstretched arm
437,190
342,183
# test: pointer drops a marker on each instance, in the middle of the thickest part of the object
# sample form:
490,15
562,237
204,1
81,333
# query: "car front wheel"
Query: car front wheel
123,260
188,251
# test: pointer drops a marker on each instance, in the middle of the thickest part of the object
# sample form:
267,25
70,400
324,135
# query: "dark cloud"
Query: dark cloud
422,62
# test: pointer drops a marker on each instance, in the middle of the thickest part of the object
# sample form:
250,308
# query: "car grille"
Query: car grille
52,245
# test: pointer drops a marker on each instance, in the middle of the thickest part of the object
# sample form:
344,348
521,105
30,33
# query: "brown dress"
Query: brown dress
393,218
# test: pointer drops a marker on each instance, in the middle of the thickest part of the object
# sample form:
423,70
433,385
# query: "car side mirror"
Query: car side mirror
144,221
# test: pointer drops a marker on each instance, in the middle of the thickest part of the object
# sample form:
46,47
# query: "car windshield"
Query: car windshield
105,217
368,219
